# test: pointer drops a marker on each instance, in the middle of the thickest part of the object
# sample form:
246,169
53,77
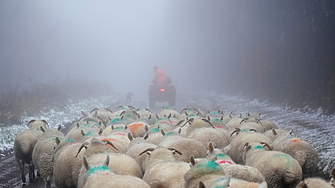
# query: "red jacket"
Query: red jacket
160,77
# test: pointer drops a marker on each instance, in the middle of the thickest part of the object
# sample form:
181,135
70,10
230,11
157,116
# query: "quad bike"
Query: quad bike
162,93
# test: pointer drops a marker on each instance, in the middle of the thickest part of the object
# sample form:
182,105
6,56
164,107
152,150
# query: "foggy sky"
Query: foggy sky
118,42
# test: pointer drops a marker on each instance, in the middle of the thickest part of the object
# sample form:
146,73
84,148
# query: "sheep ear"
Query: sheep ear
201,184
169,116
164,115
109,118
248,114
192,161
42,129
31,121
82,132
274,132
83,113
100,131
210,148
130,137
179,131
57,141
59,127
208,118
179,122
157,116
146,128
227,148
106,162
174,115
146,136
221,118
78,124
266,144
85,163
162,132
149,116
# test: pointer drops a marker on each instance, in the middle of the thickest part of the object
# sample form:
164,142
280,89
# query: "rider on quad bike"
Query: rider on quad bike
160,77
161,90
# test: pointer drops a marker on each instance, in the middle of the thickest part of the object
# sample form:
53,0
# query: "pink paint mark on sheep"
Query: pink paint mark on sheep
225,162
121,134
218,127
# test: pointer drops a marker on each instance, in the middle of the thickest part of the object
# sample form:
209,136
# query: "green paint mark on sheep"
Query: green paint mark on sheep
258,147
118,128
190,109
91,119
69,140
221,155
115,120
221,187
214,112
287,157
154,130
244,130
166,119
169,133
222,179
98,169
191,115
87,125
128,115
89,133
217,120
168,108
210,165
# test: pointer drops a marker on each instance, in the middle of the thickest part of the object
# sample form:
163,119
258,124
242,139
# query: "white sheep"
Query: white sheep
42,153
314,183
119,163
279,169
162,169
24,144
235,148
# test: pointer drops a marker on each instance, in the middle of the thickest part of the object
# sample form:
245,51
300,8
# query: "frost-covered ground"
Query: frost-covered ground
307,124
310,125
54,117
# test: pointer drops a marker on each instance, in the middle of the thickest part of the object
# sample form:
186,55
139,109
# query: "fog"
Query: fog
201,45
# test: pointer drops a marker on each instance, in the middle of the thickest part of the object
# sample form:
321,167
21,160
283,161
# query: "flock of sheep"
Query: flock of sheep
137,148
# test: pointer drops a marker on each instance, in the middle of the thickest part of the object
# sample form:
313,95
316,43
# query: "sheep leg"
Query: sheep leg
31,172
21,165
47,182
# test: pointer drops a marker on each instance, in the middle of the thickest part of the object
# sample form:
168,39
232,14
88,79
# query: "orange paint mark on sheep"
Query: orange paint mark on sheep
134,127
298,140
111,140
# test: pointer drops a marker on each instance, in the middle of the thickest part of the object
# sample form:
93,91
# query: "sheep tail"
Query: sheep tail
25,147
290,178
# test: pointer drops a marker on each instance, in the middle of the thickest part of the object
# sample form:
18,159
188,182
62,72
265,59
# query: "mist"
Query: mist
224,46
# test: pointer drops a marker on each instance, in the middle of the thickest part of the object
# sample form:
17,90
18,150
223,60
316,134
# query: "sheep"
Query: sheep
138,129
279,169
206,171
198,123
42,153
188,147
119,163
135,150
234,122
300,150
206,135
252,125
235,148
168,111
96,146
24,144
314,183
76,133
68,160
242,172
103,176
102,114
276,133
162,169
67,165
